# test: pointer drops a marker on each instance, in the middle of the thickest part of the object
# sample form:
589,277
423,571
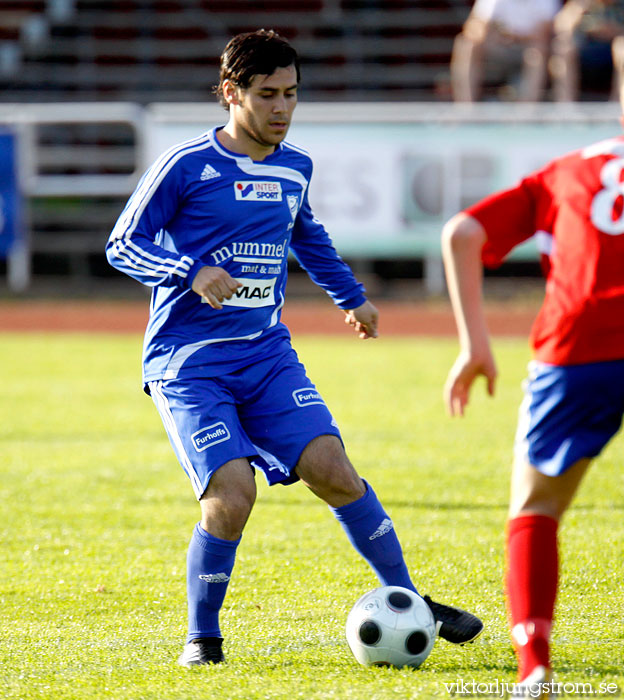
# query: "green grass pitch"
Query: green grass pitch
96,516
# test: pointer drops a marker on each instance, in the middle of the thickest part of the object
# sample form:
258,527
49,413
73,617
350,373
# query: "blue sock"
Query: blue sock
209,563
371,532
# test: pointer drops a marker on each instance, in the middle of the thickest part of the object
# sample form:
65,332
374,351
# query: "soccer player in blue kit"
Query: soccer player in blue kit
209,227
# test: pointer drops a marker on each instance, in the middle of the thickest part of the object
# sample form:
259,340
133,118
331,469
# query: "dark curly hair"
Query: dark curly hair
254,53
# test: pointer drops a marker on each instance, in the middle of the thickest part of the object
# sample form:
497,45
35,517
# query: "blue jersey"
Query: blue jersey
200,204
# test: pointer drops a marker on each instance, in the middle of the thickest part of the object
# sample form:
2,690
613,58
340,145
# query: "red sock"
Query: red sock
532,579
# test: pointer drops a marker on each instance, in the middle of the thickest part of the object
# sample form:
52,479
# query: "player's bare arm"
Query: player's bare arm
214,284
363,320
462,240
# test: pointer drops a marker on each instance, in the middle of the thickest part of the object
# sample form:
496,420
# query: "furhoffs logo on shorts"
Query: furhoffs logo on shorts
212,435
307,396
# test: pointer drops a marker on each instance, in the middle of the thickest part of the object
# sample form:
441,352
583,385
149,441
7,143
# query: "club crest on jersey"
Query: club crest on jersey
258,190
293,204
308,396
209,436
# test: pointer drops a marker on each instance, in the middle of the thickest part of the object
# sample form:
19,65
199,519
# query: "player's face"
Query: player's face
263,111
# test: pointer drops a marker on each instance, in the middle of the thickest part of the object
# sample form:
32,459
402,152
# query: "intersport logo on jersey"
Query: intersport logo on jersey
258,190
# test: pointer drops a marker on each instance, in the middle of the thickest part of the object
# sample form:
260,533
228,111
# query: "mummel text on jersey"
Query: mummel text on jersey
198,205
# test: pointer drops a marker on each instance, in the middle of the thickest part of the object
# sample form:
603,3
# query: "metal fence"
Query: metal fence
387,175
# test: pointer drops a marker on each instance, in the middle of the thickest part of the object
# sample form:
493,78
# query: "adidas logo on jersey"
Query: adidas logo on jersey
383,529
209,172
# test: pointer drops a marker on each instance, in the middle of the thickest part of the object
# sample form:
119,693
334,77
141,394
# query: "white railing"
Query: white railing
387,176
26,120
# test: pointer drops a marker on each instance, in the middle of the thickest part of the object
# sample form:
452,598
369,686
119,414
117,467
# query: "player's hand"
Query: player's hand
463,373
363,320
214,284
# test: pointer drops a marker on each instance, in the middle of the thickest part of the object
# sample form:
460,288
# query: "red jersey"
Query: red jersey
574,208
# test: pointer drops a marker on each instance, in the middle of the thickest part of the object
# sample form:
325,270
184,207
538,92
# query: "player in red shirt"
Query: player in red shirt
574,395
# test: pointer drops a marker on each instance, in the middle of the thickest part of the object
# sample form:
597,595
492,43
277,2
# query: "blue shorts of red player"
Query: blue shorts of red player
569,413
267,412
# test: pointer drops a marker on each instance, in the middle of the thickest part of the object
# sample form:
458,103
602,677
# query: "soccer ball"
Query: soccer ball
391,626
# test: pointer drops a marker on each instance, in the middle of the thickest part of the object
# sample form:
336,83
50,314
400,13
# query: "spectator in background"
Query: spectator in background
588,49
501,35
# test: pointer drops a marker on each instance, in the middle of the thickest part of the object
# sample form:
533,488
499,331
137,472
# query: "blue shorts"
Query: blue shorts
569,413
267,412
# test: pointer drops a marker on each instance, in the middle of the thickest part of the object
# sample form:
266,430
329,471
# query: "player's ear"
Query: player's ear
230,92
